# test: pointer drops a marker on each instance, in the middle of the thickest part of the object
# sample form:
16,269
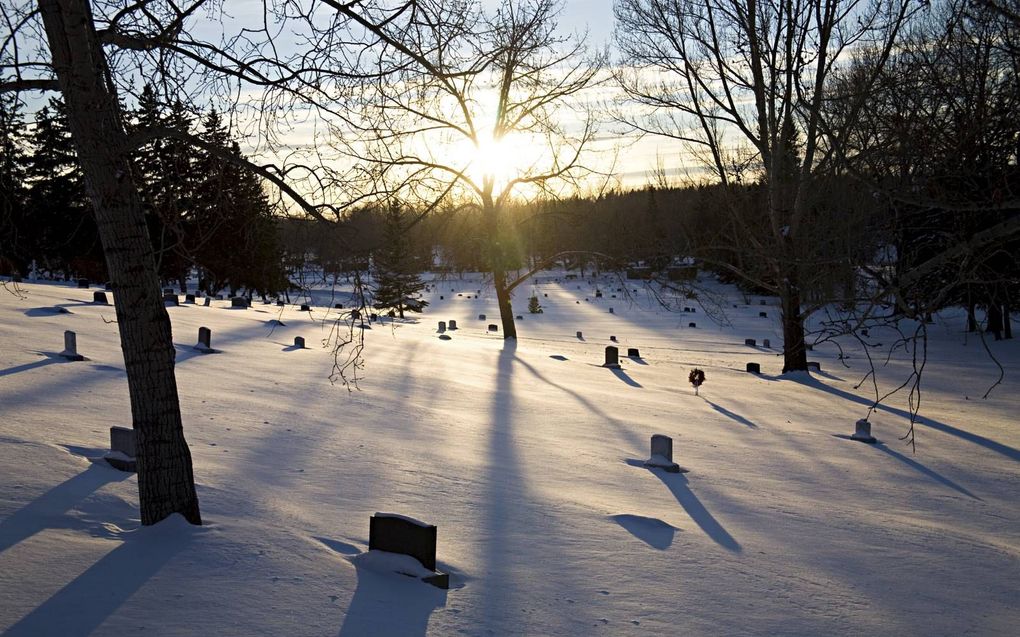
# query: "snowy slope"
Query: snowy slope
528,458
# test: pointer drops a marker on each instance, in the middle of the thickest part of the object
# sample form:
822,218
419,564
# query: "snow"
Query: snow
528,457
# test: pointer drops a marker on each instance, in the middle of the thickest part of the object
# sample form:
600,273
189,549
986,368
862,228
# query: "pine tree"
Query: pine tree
397,282
13,222
533,305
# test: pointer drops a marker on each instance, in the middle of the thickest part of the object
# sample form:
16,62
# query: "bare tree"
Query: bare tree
743,85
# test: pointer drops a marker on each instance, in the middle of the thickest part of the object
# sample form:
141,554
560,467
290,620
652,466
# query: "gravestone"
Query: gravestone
299,342
207,301
612,357
453,324
864,332
750,342
170,299
611,311
763,314
83,283
305,308
373,317
692,325
122,449
338,306
280,303
598,294
442,326
493,327
445,337
753,368
546,295
189,298
687,309
355,314
633,352
392,314
612,338
441,298
661,456
460,295
71,347
815,365
579,335
481,317
862,432
204,344
99,298
614,296
400,534
239,301
766,344
518,318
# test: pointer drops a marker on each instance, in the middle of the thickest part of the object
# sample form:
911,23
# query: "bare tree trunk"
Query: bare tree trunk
1007,322
506,312
165,481
794,348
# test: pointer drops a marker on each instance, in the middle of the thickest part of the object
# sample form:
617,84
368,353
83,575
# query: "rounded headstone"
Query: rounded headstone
100,298
754,368
493,327
481,317
299,342
763,314
750,342
453,324
692,325
305,307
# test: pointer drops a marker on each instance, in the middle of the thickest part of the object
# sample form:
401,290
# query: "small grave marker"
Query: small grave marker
400,534
453,324
338,306
763,314
753,368
442,326
862,432
815,365
207,301
692,325
99,298
355,314
611,311
612,338
299,342
612,357
189,298
493,327
204,344
71,347
766,344
579,335
305,308
633,352
864,332
481,317
661,456
83,283
171,299
239,301
122,449
750,342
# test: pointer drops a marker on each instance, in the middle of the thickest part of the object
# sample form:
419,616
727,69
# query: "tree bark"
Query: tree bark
165,480
506,312
794,348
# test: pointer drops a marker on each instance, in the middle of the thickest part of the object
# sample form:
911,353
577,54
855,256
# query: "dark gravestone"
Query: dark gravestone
83,283
546,295
71,347
399,534
189,298
611,311
687,309
661,455
442,326
763,314
519,318
355,314
441,297
100,298
815,365
122,449
207,301
612,338
750,342
373,317
204,344
299,342
168,290
171,299
612,357
633,352
766,344
614,296
338,306
239,301
862,432
305,308
460,295
453,324
493,327
280,303
692,325
579,335
598,295
753,368
445,337
864,332
481,317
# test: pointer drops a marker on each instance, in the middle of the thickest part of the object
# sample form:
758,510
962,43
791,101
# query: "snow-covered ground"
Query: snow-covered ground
528,457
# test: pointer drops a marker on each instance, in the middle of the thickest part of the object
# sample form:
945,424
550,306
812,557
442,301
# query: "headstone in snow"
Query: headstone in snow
204,344
441,298
170,299
99,298
442,326
579,335
373,317
453,324
400,534
661,456
189,298
338,306
299,342
862,432
305,308
692,325
122,449
687,309
864,332
207,301
598,294
614,296
750,342
481,317
239,301
83,283
71,347
753,368
280,303
518,318
545,295
611,311
612,338
766,344
815,365
493,327
460,294
612,357
355,314
763,314
633,352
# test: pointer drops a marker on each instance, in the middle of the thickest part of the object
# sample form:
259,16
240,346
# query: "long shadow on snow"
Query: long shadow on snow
385,604
678,486
48,510
85,603
49,360
729,414
987,443
934,475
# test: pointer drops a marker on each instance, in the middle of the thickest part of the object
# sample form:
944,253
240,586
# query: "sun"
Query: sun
500,159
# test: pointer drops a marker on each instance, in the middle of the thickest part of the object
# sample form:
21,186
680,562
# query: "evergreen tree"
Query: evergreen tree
533,305
397,282
13,254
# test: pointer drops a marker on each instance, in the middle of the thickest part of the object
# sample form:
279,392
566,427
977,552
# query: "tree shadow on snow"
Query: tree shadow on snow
86,602
934,475
678,485
49,360
729,414
389,604
652,531
1005,450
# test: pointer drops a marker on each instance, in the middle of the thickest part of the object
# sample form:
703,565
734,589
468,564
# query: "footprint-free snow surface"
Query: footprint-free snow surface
529,459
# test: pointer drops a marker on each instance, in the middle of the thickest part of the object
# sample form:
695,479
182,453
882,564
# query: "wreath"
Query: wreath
696,377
